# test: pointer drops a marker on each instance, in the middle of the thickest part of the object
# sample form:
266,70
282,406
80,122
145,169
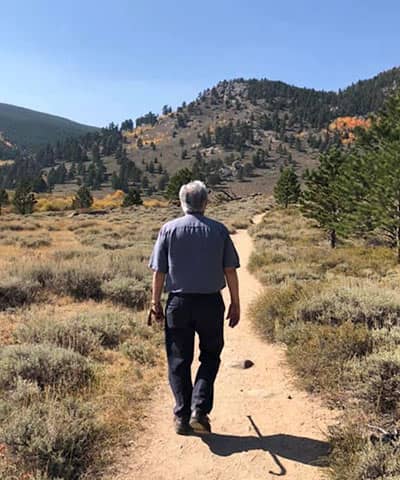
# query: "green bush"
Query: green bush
320,353
378,381
81,282
54,438
127,291
274,309
35,242
15,292
140,352
45,365
371,305
354,457
72,334
385,339
112,329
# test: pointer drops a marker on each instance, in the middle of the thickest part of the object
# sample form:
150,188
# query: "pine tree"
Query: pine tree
372,176
83,198
24,199
180,178
163,182
133,197
3,198
287,189
322,198
39,185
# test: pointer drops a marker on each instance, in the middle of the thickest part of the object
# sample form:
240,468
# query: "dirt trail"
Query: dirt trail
263,426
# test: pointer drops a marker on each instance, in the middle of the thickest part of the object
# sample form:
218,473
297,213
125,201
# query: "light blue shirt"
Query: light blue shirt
193,251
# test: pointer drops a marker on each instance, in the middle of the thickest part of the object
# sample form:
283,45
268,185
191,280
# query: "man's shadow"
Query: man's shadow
300,449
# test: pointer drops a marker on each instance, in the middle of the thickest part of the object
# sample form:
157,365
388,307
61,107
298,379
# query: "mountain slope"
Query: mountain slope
236,135
248,129
28,128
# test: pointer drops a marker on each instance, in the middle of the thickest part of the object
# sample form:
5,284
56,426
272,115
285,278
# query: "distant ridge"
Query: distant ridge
27,128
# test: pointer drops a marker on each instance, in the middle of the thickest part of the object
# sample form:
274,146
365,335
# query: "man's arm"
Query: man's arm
158,284
233,285
156,309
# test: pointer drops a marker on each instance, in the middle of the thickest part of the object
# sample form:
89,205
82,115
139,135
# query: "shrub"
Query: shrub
127,291
45,365
55,438
354,457
81,282
72,334
385,339
15,292
274,309
139,351
320,353
378,381
111,328
35,242
370,304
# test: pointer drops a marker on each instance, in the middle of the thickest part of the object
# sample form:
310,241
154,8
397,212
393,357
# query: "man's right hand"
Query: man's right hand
155,313
233,314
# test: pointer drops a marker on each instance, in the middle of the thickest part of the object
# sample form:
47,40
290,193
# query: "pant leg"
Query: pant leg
209,324
179,339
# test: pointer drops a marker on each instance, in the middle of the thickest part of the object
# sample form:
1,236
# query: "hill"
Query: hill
28,129
236,135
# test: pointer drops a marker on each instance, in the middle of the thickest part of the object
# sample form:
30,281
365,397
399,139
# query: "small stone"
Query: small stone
290,397
243,364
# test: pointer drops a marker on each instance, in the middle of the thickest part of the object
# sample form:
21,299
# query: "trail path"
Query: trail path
263,425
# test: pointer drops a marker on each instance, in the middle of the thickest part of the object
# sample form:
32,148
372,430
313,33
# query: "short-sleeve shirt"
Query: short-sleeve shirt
193,251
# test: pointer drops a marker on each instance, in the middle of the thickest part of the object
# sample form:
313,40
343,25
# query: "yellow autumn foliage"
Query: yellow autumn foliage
51,203
112,200
155,203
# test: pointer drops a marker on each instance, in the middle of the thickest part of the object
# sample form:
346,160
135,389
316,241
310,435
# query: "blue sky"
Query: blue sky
97,61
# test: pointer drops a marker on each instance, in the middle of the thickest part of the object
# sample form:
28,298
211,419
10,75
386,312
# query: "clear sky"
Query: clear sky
102,61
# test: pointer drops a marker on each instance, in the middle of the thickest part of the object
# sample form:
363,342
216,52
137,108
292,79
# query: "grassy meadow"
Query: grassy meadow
77,360
338,313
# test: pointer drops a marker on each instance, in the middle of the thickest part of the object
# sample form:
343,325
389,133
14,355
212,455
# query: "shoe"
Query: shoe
200,422
182,426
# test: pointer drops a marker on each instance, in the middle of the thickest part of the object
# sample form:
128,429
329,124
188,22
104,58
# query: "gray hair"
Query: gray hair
193,197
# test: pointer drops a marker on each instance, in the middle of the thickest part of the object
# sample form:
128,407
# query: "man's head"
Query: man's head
193,197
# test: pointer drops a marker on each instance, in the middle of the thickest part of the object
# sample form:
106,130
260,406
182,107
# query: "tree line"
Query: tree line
355,191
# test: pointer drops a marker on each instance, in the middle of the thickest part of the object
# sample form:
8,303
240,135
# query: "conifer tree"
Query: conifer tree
3,198
287,189
133,197
372,176
180,178
83,198
322,197
24,199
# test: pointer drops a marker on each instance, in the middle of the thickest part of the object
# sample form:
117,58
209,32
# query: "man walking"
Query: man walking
195,255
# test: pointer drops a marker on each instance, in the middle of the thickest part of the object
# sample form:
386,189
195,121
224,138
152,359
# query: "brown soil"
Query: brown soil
263,425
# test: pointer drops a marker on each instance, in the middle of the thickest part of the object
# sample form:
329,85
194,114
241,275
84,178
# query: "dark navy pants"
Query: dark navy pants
187,314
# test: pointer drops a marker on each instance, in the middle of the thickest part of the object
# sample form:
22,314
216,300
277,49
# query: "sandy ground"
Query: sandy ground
263,426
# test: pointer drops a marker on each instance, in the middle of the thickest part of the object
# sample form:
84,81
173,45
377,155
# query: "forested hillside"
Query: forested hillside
28,129
236,135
